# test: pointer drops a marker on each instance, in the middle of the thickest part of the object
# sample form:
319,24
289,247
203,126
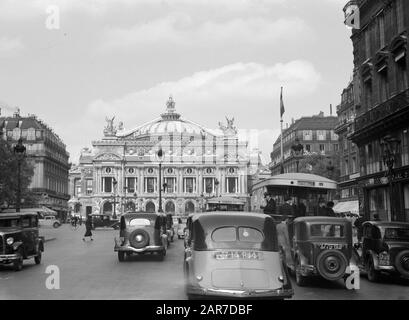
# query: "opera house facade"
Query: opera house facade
201,169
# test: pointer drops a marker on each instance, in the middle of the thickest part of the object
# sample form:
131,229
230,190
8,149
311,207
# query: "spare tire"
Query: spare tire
139,238
331,264
402,263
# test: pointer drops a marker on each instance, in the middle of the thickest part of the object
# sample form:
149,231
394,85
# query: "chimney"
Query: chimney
330,109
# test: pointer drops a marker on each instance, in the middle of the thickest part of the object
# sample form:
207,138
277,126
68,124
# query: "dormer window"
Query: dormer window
398,48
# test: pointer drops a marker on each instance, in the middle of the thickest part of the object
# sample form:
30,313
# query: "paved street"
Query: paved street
91,271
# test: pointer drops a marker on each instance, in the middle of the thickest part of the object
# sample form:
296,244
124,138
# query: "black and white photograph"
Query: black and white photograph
207,150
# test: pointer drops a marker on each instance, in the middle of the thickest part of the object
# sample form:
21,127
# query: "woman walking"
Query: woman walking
88,226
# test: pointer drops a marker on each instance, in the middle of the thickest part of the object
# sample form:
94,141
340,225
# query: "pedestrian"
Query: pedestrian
286,210
358,225
302,209
270,207
322,208
88,228
330,210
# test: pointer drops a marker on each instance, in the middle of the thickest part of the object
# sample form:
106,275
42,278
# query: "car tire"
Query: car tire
300,280
139,244
373,275
56,225
37,258
402,263
121,256
18,264
331,264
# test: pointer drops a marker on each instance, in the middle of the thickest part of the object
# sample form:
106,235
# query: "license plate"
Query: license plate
239,255
331,246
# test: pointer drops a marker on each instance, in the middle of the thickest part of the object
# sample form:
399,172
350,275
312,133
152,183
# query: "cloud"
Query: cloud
180,29
10,45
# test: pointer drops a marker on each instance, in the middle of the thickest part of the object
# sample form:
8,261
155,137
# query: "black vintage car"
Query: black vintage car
141,233
234,255
384,249
19,239
317,246
104,221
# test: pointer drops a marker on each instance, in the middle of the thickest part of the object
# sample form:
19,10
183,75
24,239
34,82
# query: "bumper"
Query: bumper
8,258
244,294
132,249
386,268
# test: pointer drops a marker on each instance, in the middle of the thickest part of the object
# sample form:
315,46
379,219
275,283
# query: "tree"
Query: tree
9,179
325,165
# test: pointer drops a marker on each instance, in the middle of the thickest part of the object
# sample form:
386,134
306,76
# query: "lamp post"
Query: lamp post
390,148
115,184
20,152
160,156
297,151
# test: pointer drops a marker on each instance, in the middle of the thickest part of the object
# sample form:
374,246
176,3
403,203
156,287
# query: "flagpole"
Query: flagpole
281,135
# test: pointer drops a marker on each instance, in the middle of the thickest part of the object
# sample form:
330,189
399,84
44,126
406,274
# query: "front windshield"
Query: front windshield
397,234
9,223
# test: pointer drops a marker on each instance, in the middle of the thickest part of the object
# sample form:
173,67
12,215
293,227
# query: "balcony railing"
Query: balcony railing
383,110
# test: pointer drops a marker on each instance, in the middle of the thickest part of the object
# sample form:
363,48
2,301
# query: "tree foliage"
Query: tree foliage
9,179
327,165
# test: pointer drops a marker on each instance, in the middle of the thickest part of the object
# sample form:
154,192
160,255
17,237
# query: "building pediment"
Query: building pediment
107,157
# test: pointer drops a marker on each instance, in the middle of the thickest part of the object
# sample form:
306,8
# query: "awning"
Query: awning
347,206
226,200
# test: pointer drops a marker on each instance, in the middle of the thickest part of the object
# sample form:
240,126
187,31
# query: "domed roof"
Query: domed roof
169,122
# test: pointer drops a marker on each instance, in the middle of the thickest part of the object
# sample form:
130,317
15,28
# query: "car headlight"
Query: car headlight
10,241
384,258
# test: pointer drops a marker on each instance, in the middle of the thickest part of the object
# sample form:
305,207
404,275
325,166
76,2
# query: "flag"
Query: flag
282,110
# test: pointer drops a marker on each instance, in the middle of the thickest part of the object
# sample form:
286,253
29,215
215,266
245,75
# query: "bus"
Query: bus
305,188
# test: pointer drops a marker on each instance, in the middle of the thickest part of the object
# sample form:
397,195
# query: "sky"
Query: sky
75,62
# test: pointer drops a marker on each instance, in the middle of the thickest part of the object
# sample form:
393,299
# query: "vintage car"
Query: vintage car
181,228
49,221
104,221
141,233
170,231
234,255
317,246
384,249
19,239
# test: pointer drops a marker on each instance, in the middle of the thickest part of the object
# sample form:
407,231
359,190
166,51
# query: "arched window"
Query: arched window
107,208
170,207
189,207
150,207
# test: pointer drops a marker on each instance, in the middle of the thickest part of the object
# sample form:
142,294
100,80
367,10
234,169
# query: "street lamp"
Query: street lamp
20,152
297,151
390,148
115,184
160,156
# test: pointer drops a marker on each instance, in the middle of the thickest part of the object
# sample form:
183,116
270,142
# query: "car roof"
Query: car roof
219,216
316,219
388,224
130,215
17,214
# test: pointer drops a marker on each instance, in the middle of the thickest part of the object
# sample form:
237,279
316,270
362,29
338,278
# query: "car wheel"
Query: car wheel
56,225
402,263
121,256
37,258
373,275
18,264
299,278
331,264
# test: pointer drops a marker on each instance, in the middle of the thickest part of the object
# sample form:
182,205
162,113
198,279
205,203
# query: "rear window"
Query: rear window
397,234
139,222
327,230
232,234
